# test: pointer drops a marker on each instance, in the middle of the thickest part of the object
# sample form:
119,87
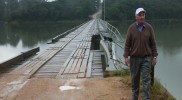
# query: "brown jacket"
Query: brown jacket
140,44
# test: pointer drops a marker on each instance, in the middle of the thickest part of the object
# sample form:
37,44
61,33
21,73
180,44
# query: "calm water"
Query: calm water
15,39
169,43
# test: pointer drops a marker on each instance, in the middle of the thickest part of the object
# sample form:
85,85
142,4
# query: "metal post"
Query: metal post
104,10
152,75
6,10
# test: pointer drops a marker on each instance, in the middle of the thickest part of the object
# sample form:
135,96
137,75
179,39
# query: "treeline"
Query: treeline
156,9
41,10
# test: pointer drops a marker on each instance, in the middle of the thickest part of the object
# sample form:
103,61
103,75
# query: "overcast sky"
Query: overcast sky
54,0
50,0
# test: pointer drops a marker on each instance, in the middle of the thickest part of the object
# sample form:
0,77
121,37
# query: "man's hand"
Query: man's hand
127,62
154,61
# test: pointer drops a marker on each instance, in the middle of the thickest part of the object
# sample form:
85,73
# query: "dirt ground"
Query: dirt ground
55,89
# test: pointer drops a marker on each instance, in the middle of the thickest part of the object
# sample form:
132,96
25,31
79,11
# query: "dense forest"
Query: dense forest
41,10
156,9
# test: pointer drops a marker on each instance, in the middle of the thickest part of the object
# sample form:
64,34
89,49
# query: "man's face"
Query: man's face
140,17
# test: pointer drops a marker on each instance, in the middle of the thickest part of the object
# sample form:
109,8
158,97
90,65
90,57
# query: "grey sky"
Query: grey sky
50,0
54,0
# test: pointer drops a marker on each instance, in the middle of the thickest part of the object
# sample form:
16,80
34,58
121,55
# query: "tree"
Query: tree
156,9
40,10
2,10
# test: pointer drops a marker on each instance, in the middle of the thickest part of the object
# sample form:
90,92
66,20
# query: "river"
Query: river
18,38
15,39
169,44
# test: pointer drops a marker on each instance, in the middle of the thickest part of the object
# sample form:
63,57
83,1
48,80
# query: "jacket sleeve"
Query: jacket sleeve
153,43
127,43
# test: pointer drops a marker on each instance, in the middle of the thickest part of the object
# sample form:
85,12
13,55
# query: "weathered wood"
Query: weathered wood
19,58
33,68
77,68
97,74
57,59
84,65
34,65
76,60
81,75
97,70
48,57
65,64
68,67
88,74
82,52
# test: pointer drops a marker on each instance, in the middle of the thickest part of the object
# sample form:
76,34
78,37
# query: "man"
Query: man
141,47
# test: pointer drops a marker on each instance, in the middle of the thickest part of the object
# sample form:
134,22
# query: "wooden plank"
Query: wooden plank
96,67
81,75
97,70
30,71
97,74
68,76
83,68
65,64
24,66
73,66
78,66
76,60
53,53
48,71
88,74
68,67
79,62
51,65
41,60
35,67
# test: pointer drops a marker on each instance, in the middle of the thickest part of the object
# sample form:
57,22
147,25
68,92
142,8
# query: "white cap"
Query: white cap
139,10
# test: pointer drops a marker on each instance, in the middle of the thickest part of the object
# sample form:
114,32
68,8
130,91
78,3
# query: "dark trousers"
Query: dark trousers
140,65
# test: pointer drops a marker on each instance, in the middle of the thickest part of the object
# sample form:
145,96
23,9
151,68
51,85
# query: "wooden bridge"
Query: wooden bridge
80,54
86,51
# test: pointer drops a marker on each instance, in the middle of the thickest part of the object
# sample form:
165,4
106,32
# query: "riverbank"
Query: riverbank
158,92
42,22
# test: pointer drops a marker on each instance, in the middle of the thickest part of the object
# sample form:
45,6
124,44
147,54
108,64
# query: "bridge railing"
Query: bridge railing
117,44
115,34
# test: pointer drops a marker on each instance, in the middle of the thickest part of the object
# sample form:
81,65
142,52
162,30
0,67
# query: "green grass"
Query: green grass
122,73
158,92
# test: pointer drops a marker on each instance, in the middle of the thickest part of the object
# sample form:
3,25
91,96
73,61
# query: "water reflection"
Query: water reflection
31,34
168,35
18,38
